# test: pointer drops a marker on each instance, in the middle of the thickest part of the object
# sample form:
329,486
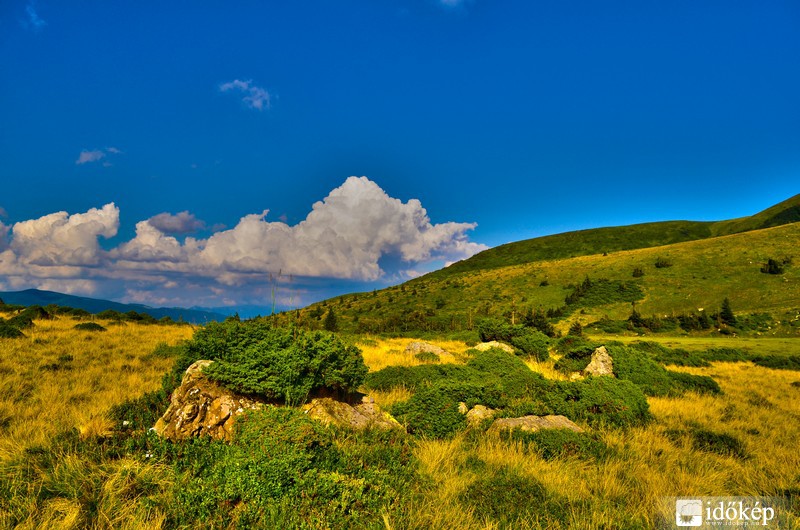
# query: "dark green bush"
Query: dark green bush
559,443
509,498
596,400
427,357
772,266
702,384
431,412
280,364
89,326
526,340
781,362
720,443
8,331
662,263
414,377
21,321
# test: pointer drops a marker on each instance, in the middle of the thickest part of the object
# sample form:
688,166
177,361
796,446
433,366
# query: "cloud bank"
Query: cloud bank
346,236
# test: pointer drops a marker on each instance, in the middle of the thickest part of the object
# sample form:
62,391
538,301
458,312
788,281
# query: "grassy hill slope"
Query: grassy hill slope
700,274
613,239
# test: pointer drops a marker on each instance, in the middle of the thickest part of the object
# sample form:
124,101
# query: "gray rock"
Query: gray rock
484,346
533,424
416,347
478,414
601,363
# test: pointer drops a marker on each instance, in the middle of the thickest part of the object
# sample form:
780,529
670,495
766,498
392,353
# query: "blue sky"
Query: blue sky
474,122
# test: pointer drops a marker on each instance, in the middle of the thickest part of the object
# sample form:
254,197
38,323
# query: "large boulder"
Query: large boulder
601,363
360,416
484,346
201,407
533,424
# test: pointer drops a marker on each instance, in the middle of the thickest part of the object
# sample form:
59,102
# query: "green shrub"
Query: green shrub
89,326
532,343
509,498
781,362
427,357
596,400
512,375
720,443
662,263
431,412
702,384
7,331
772,266
21,321
414,377
559,443
287,365
664,355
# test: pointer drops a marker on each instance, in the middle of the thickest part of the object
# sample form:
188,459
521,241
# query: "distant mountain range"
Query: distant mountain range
94,305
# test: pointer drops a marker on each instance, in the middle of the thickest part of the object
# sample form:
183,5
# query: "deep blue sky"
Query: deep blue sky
525,117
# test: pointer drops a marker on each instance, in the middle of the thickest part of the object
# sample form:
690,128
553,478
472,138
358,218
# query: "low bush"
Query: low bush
89,326
285,365
8,331
559,443
720,443
527,341
431,412
427,357
596,400
509,498
781,362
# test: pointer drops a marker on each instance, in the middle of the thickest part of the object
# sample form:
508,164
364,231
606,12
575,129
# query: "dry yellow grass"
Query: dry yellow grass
57,377
380,353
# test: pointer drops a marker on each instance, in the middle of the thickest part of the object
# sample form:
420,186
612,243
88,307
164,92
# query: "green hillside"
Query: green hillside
613,239
691,277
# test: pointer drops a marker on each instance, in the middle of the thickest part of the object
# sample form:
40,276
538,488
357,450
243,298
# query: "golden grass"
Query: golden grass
380,353
57,378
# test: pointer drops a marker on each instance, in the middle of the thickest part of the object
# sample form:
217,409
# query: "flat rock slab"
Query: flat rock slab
360,416
416,347
533,424
484,346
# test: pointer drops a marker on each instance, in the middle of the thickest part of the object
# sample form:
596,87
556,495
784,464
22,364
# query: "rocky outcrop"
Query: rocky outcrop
601,363
483,346
201,407
533,424
360,416
416,347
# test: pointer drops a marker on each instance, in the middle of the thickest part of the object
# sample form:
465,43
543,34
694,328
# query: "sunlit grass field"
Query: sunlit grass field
58,378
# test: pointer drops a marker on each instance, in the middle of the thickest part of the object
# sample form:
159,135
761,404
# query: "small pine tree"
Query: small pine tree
772,266
331,322
638,272
726,315
576,330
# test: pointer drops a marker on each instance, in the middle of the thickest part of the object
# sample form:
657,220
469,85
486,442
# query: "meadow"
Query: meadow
61,466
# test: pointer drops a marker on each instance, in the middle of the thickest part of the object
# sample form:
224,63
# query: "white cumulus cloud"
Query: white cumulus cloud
254,96
345,236
63,239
